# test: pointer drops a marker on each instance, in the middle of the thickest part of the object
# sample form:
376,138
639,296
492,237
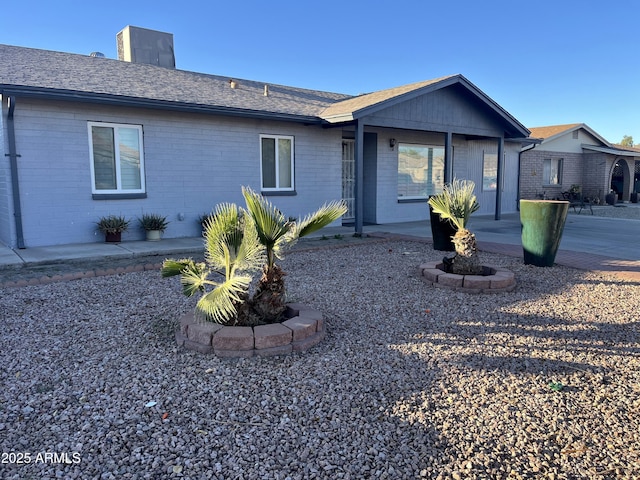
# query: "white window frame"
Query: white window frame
278,188
118,189
546,173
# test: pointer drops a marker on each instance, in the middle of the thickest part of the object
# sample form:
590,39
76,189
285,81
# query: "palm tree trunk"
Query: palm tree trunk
466,261
269,300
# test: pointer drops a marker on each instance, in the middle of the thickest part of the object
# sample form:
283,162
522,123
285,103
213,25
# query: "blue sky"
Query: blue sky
548,62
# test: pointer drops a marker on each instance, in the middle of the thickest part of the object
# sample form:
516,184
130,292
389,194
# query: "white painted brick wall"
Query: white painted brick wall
192,163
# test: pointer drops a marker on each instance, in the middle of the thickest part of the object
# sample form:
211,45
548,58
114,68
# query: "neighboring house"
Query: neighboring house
576,155
87,136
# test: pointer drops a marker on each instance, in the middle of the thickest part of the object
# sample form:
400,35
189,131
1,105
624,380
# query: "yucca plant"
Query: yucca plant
153,221
232,252
276,232
456,203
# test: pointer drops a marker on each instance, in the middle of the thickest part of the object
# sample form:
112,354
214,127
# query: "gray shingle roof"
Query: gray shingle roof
48,74
65,74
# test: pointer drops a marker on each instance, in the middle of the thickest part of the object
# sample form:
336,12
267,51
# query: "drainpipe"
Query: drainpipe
13,162
526,149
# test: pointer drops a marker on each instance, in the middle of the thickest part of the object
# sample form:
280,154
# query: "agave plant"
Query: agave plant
232,252
275,233
456,204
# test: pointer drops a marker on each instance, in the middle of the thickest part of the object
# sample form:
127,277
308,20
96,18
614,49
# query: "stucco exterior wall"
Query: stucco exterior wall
192,162
566,143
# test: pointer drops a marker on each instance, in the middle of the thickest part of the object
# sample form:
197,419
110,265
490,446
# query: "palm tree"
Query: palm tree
276,232
237,242
232,250
456,203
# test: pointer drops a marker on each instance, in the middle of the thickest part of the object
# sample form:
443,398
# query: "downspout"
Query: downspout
526,149
13,163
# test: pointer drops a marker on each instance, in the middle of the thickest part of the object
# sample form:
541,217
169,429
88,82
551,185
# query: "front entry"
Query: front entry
617,180
349,179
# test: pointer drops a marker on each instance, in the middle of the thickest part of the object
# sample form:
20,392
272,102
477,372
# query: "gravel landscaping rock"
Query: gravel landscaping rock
410,382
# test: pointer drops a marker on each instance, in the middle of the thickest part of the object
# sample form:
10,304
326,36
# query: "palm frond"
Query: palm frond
322,217
218,304
231,241
194,278
222,231
271,224
171,268
456,203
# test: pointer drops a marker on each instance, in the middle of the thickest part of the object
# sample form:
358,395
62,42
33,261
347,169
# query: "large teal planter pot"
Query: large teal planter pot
542,225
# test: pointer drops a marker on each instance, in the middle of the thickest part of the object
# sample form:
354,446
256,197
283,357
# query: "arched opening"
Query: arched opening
617,179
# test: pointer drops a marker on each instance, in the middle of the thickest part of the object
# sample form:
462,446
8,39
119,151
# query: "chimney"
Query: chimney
139,45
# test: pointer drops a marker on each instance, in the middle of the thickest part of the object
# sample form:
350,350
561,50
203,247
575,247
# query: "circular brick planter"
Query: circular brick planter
303,329
493,280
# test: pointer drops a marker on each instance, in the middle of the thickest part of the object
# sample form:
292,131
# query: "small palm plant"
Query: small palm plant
237,243
456,204
275,233
232,251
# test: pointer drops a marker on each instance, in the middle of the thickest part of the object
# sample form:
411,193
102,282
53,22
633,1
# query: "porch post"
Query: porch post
359,174
448,158
499,178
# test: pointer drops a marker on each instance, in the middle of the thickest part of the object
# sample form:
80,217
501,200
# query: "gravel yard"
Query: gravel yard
411,382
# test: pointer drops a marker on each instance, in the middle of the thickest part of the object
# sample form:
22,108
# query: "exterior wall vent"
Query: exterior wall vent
139,45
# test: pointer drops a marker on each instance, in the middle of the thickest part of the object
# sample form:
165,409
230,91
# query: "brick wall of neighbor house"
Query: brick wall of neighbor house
596,179
192,163
531,180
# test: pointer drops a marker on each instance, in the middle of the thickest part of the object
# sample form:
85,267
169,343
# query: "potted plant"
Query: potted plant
112,226
611,197
455,204
154,225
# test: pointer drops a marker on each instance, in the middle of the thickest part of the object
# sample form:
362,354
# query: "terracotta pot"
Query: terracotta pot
113,237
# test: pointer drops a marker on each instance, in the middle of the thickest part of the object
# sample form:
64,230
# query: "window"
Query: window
420,171
552,171
276,164
490,172
117,163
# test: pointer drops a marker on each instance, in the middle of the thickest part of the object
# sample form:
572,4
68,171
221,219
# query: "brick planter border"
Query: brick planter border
494,280
303,329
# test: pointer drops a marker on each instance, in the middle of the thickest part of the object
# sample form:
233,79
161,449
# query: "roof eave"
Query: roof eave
610,150
109,99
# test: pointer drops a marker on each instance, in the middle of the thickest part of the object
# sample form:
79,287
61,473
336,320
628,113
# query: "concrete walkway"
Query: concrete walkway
588,242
